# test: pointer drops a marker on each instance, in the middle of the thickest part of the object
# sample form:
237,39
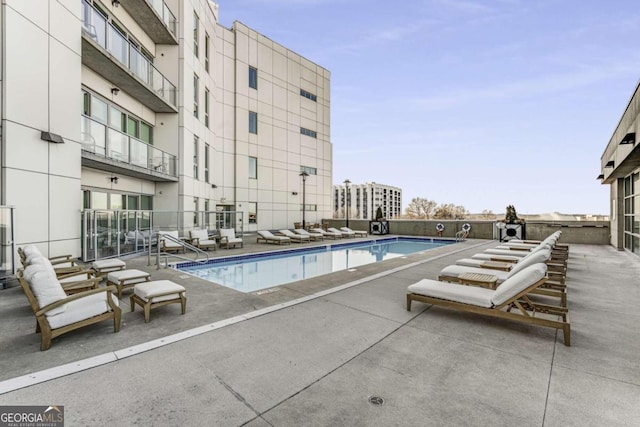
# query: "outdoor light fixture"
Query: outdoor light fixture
294,193
51,137
610,164
304,175
115,3
629,138
214,186
346,201
114,179
115,90
601,176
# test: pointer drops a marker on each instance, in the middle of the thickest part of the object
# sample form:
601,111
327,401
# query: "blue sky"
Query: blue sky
480,103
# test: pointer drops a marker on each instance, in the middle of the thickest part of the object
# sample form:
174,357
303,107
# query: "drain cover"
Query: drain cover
376,400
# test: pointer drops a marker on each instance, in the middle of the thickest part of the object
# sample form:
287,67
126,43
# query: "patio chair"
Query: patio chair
326,234
510,301
170,241
357,233
228,238
74,282
200,239
342,232
62,264
268,237
56,313
294,237
312,236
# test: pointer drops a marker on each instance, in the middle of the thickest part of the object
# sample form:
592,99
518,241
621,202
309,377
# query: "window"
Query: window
309,170
196,85
145,133
206,51
196,202
308,132
253,213
253,122
206,107
308,95
253,167
196,33
195,157
207,219
206,163
253,78
309,208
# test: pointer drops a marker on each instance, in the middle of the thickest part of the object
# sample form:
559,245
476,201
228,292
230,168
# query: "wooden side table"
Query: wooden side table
496,265
477,279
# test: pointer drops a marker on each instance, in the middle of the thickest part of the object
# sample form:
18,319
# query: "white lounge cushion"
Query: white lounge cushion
519,254
518,282
129,276
293,236
170,243
44,285
31,251
270,236
150,290
535,258
108,264
200,234
81,309
306,233
471,262
453,271
488,257
453,292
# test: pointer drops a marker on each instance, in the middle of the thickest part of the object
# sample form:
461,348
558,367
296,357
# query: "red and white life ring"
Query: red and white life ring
439,226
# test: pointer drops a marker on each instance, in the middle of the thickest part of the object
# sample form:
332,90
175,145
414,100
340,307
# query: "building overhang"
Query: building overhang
149,20
106,164
630,163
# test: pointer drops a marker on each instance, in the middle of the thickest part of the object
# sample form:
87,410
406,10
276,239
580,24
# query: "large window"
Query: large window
253,167
253,78
308,132
309,170
632,213
308,95
195,157
101,200
253,122
196,34
253,213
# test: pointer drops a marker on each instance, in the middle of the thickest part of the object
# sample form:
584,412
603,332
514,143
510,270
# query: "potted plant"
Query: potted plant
380,225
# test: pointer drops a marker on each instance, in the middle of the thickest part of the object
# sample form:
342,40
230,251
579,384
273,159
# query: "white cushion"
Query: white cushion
45,286
518,282
127,275
200,234
488,257
149,290
81,309
470,262
519,254
31,251
454,271
534,258
228,232
453,292
103,264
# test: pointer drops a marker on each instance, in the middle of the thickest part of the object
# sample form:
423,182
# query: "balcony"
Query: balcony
155,18
107,52
107,149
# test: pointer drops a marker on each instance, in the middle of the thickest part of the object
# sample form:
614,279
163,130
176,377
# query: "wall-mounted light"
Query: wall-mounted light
115,90
214,186
115,3
294,193
629,138
51,137
114,179
610,164
601,176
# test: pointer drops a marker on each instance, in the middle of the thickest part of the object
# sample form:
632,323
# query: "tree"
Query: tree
420,208
379,213
511,215
450,211
488,214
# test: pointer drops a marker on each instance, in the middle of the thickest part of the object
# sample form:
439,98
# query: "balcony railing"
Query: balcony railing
96,26
163,11
108,142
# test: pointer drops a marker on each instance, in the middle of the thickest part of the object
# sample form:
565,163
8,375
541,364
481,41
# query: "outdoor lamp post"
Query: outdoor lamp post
304,176
346,201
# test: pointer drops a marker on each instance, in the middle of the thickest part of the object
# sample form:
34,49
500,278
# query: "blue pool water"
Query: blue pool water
249,273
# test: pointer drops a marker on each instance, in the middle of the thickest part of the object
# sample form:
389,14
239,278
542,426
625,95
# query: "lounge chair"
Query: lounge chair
342,232
294,237
62,264
200,239
312,236
331,234
170,242
357,233
228,238
73,282
510,301
268,237
56,313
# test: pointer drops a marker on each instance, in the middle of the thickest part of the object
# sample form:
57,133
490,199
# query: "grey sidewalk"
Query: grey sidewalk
318,362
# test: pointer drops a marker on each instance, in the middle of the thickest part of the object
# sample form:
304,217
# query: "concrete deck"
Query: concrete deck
306,355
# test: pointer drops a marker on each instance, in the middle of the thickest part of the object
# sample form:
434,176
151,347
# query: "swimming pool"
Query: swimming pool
253,272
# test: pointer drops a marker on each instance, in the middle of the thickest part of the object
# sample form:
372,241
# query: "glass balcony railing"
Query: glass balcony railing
108,142
96,26
163,11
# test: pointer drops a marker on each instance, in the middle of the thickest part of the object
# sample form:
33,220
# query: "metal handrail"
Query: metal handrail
159,254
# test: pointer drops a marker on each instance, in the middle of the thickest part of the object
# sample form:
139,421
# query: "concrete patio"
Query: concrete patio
314,352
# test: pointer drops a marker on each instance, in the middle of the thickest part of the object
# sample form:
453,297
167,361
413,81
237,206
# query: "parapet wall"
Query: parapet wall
587,232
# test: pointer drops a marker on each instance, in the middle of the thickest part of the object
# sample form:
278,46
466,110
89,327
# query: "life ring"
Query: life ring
466,227
439,226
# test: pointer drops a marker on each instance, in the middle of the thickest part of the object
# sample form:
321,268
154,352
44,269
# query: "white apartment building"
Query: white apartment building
154,105
363,200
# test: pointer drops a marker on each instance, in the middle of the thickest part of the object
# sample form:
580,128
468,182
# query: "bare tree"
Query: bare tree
488,214
420,208
450,211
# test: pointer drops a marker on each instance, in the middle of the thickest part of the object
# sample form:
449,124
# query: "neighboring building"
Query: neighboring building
364,199
152,105
620,168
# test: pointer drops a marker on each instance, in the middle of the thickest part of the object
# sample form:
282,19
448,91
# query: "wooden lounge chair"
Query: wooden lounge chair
56,313
312,236
510,301
228,238
327,234
200,239
170,241
357,233
294,237
62,264
74,282
268,237
343,233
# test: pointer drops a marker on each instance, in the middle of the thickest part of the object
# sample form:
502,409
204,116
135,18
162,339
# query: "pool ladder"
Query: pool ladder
159,255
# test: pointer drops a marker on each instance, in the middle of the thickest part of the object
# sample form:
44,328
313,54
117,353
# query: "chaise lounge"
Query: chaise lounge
268,237
228,238
294,237
509,301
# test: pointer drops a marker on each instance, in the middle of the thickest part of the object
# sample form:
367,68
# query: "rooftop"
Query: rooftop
316,351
